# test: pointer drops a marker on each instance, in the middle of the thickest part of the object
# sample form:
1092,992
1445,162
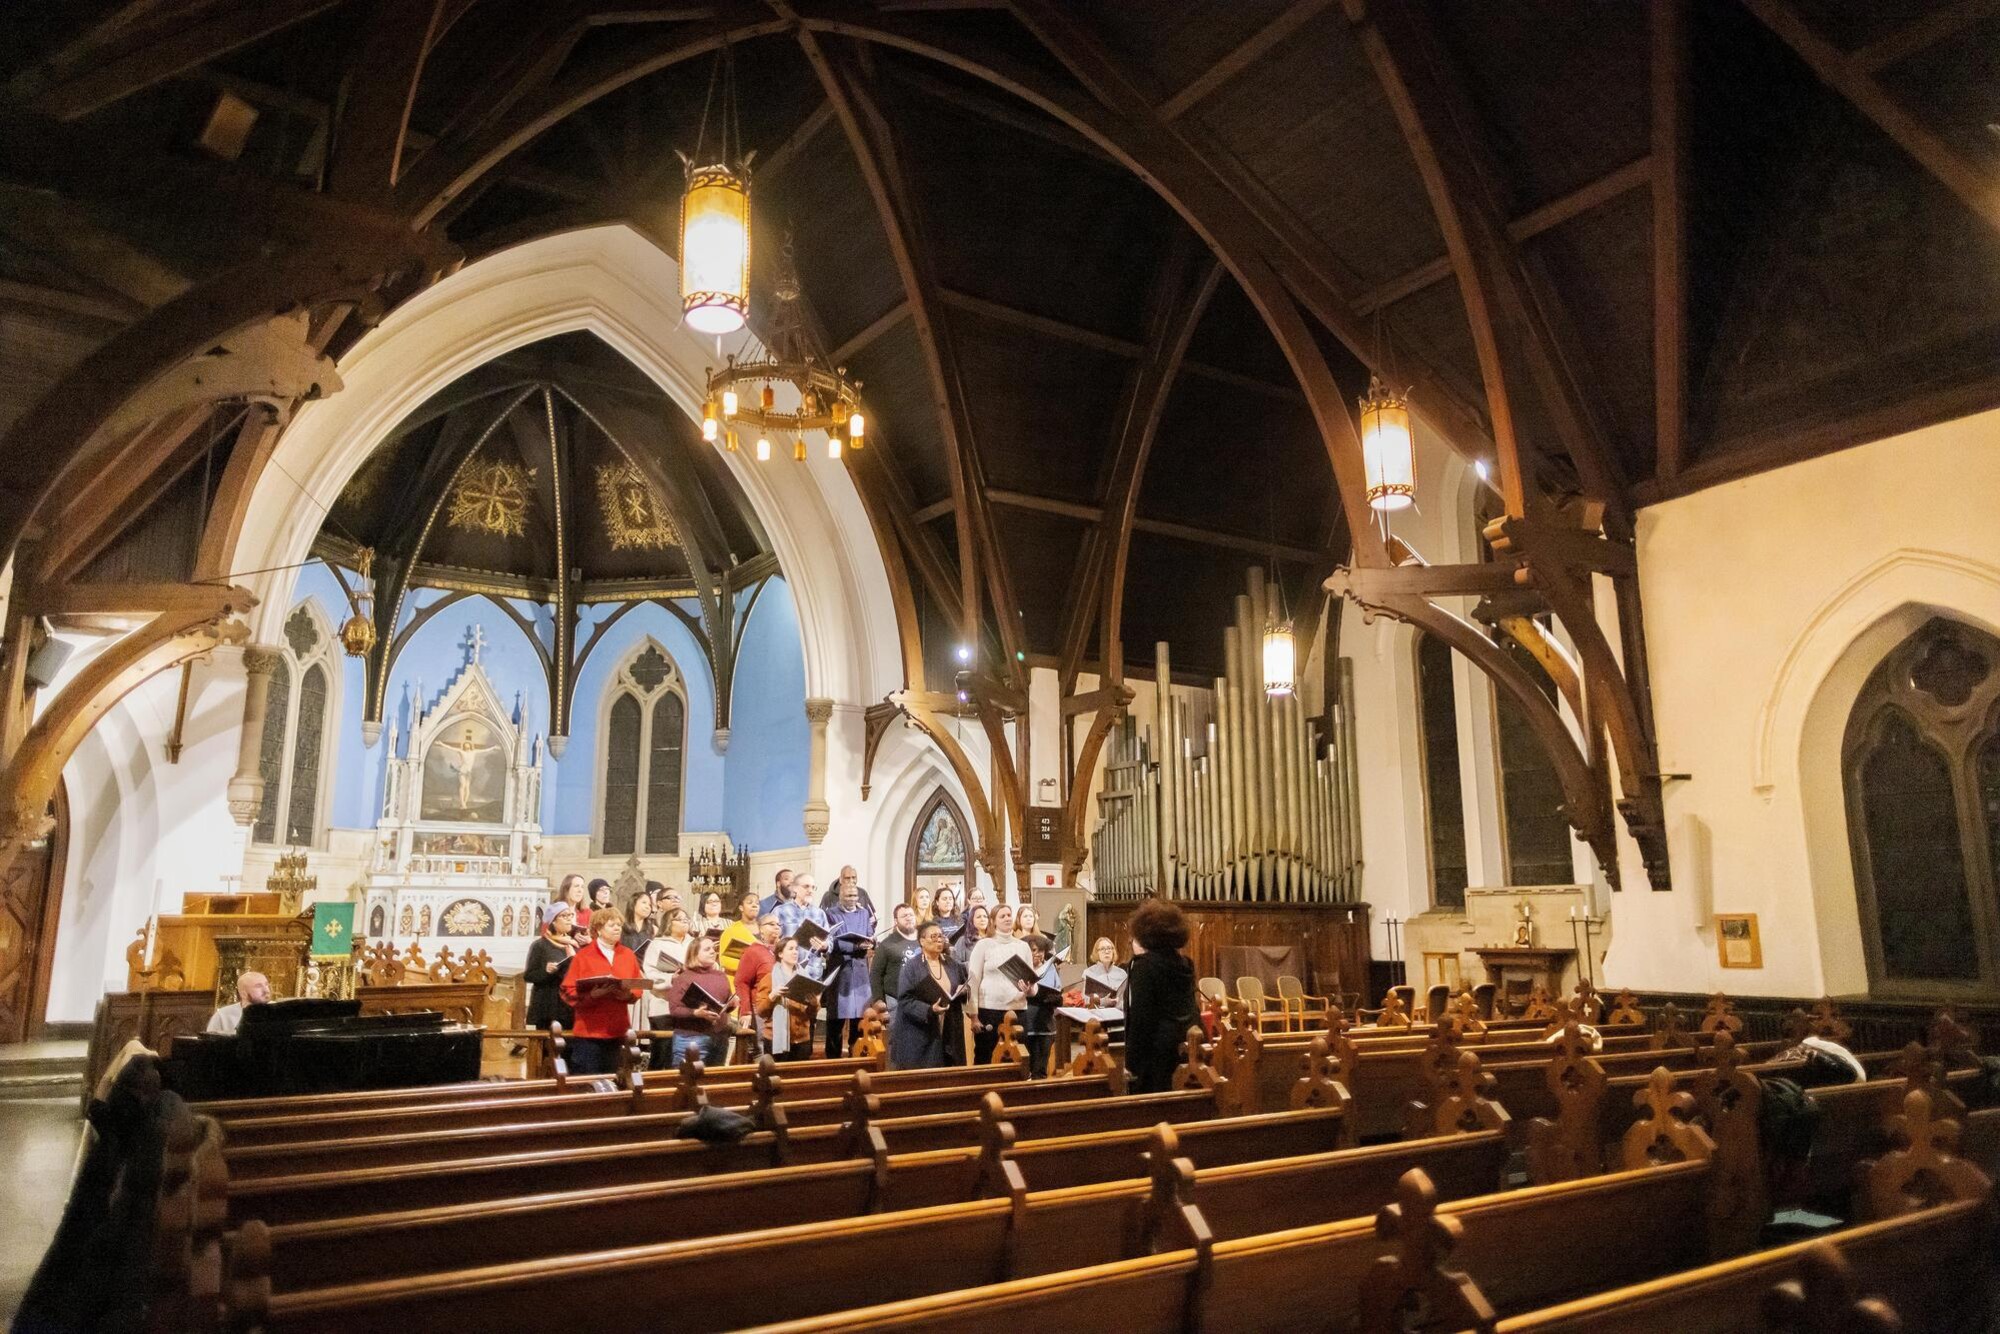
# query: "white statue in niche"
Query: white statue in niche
467,766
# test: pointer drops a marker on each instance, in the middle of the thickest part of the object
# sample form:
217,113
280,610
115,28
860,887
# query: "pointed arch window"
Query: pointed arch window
642,749
940,848
1444,792
295,752
1921,763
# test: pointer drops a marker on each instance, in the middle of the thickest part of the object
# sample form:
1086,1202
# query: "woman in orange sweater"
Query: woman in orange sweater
601,1020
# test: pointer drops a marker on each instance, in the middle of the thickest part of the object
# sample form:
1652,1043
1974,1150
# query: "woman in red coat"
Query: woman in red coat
601,1020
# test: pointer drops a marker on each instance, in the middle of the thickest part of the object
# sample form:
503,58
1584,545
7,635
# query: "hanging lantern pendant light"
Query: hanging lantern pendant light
715,218
1280,659
1388,450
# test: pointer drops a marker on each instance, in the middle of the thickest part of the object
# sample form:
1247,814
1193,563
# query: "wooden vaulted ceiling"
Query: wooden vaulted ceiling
1655,246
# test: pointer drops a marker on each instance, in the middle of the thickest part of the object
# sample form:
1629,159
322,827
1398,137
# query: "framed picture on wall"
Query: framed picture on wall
1737,942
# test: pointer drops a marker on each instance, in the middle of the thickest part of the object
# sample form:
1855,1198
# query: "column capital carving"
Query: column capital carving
262,659
819,711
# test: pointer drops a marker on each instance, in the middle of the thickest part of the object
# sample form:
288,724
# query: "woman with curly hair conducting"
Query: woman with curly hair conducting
1159,1004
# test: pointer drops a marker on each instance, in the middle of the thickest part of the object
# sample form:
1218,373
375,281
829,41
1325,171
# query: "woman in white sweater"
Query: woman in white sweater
994,991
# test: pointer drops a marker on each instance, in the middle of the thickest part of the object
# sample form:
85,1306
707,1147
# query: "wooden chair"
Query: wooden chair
1214,994
1250,990
1292,999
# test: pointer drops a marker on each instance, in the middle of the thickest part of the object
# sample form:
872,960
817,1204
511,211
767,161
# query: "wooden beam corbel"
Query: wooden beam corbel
186,620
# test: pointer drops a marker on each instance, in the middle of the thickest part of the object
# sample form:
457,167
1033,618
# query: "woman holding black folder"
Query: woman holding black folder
930,993
603,1007
699,1000
787,1022
994,989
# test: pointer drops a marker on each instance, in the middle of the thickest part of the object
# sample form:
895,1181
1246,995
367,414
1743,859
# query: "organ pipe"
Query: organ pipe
1245,801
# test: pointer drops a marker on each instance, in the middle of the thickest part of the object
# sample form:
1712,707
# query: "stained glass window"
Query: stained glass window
271,751
1531,795
1443,787
308,740
942,846
1922,765
621,777
663,775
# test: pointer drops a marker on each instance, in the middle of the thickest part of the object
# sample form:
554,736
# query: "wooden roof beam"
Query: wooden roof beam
129,480
1530,224
370,137
1247,53
1976,186
1506,296
85,76
875,152
1177,310
1921,34
1669,40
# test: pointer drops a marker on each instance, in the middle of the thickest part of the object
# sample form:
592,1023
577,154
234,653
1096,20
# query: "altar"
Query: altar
458,845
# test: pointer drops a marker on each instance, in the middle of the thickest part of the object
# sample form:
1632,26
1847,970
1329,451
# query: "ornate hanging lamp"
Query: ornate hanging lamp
743,394
357,636
1280,659
715,217
1388,450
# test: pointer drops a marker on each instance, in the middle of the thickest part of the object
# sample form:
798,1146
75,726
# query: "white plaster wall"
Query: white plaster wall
1767,603
144,832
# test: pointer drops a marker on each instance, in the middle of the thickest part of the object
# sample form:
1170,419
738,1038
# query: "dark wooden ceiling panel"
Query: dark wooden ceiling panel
1233,336
1041,558
1179,40
1601,262
1952,85
1032,225
845,268
896,387
1552,136
1042,412
1309,120
1852,23
1239,464
1184,594
1433,320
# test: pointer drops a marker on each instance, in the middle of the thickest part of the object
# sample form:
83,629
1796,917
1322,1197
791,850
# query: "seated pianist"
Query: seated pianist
251,989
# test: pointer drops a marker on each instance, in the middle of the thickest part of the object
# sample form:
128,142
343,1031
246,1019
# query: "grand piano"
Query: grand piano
322,1046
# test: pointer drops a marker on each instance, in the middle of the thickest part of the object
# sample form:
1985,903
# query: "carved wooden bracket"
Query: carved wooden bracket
1544,567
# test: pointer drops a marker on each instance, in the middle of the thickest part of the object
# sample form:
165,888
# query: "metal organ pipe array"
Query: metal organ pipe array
1254,804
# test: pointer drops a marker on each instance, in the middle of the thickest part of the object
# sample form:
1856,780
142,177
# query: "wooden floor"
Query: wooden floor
38,1139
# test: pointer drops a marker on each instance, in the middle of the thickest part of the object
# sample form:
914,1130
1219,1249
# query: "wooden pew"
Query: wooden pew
916,1114
1926,1266
418,1183
1547,1242
658,1091
966,1244
426,1095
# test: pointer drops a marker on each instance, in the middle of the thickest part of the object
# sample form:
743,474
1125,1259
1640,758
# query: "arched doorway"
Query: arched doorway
1921,767
940,850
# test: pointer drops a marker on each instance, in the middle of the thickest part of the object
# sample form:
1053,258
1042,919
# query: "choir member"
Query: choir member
796,907
600,901
1159,996
665,955
752,971
848,877
577,897
700,1027
925,1026
601,1021
710,917
780,891
852,924
890,951
252,988
548,960
787,1023
993,991
923,906
1105,971
1038,1012
739,935
944,911
1026,921
978,924
639,924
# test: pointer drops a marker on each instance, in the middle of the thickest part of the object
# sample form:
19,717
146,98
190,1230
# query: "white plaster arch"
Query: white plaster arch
1913,575
917,772
616,284
1804,719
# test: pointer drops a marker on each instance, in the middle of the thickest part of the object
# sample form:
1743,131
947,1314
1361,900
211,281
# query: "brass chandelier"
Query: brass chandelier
742,396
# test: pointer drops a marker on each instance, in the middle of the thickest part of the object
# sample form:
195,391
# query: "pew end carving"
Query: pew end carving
1666,1132
1923,1169
1822,1300
1414,1278
1458,1105
1568,1148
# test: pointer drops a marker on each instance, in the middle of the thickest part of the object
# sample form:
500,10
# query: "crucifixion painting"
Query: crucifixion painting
465,774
